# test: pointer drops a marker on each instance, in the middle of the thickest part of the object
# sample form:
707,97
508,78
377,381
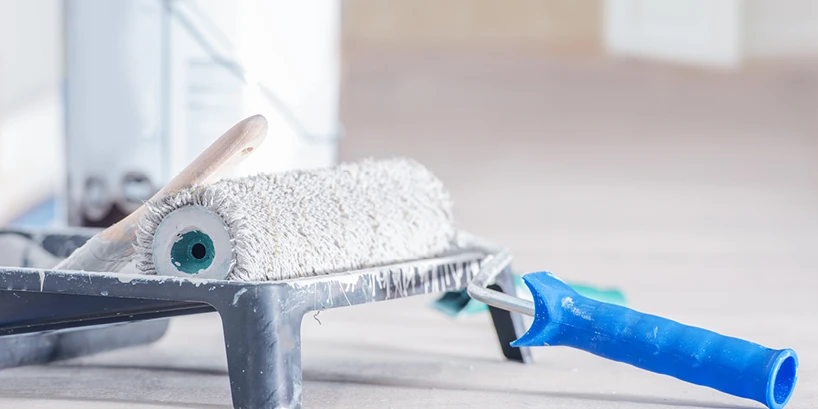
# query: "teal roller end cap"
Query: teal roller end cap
192,252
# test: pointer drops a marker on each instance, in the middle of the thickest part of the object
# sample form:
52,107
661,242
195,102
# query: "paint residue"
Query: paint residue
568,303
238,295
125,278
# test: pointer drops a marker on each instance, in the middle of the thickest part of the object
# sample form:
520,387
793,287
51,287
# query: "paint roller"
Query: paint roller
112,248
325,221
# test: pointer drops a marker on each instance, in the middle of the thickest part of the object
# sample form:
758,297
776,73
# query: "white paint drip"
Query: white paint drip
404,282
568,303
412,277
386,285
344,290
426,280
42,279
408,276
238,295
125,278
458,274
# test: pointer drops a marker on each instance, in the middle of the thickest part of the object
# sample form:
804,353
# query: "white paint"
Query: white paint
435,280
126,278
238,295
41,273
458,274
426,280
387,286
474,268
568,303
346,282
413,277
400,282
343,291
408,276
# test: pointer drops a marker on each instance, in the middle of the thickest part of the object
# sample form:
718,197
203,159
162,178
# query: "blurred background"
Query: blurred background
665,147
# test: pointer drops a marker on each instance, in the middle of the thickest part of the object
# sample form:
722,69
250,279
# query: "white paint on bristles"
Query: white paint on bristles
320,221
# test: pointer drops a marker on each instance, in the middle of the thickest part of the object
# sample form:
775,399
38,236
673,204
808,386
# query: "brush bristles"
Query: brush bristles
323,221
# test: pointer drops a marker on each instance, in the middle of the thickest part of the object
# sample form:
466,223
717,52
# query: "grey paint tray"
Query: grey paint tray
48,314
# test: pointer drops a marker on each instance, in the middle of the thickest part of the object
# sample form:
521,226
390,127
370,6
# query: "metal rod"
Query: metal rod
499,260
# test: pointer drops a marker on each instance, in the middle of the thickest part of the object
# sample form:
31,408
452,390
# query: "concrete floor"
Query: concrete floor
694,193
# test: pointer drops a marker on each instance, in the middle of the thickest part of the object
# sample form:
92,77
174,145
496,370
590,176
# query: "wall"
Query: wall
724,33
700,32
781,28
551,24
30,114
30,57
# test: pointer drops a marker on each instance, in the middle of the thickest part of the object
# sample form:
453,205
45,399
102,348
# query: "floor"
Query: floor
692,192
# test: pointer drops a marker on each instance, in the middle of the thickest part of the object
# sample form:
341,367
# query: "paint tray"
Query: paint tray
261,320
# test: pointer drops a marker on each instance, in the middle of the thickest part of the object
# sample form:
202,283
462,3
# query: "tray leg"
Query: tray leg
509,325
263,342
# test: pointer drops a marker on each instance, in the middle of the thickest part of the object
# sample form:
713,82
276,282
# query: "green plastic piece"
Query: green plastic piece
193,252
610,296
458,303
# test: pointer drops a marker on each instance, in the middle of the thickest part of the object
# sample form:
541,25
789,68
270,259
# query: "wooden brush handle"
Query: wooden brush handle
111,248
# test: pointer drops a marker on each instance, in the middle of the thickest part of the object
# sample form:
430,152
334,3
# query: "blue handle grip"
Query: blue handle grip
731,365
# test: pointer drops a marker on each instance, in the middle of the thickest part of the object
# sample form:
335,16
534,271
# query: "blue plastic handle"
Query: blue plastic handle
731,365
